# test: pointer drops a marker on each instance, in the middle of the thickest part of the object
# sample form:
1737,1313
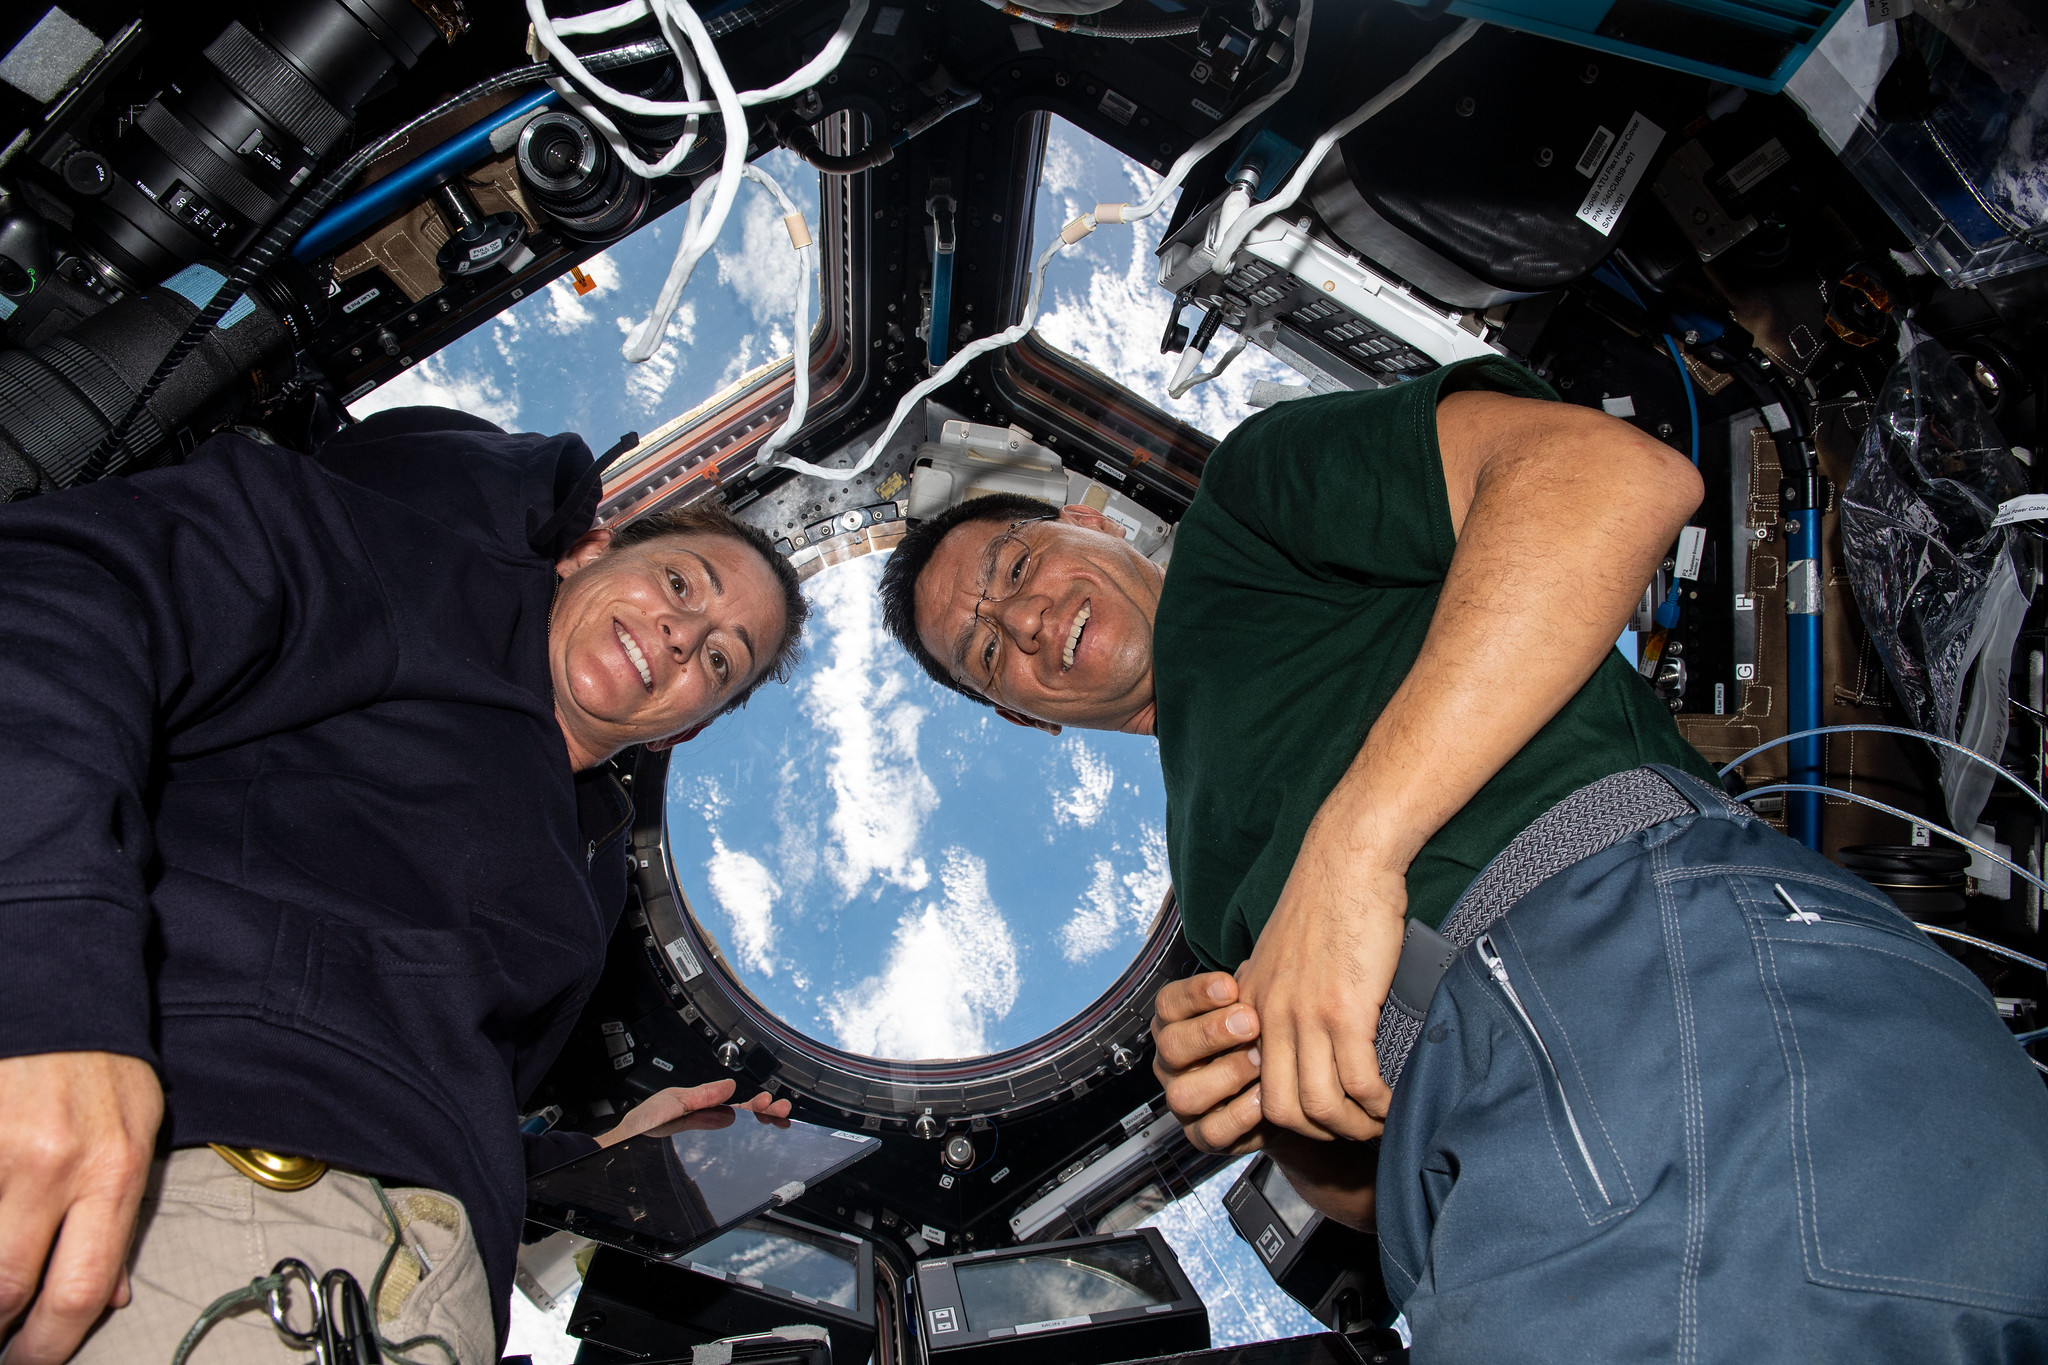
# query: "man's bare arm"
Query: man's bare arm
1561,514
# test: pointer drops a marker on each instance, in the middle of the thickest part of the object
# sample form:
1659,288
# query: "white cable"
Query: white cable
1966,752
800,347
548,31
1073,232
646,341
1186,376
1235,234
1859,798
1988,946
952,367
1223,132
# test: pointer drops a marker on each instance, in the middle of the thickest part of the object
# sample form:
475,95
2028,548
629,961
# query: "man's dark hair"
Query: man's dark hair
915,550
711,519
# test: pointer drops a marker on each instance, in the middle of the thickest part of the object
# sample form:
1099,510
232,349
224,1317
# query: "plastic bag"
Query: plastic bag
1939,587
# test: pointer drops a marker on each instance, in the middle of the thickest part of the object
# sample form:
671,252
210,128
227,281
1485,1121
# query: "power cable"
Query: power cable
1965,751
1860,799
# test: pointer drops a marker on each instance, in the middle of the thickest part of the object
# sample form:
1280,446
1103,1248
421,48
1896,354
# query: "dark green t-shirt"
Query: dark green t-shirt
1302,583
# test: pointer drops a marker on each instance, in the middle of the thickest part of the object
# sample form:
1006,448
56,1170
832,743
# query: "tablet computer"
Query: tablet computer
661,1197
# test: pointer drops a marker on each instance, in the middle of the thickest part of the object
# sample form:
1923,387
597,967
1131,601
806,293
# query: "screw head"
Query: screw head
1544,156
729,1055
1466,106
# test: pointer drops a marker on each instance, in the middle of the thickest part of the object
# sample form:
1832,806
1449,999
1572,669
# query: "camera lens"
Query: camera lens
211,160
574,179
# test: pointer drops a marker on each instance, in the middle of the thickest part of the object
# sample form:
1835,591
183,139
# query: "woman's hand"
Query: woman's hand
698,1106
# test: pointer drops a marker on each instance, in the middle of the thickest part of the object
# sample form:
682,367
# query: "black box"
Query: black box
1082,1301
1331,1270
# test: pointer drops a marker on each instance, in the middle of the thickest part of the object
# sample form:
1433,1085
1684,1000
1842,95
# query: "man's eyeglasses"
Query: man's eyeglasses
1004,568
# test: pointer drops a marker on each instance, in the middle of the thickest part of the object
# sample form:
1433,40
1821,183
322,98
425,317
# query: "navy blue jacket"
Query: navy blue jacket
285,807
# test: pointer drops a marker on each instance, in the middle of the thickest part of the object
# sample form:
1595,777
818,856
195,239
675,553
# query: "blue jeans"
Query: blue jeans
1656,1116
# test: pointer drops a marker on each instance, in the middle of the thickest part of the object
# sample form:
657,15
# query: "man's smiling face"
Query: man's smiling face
1069,640
652,640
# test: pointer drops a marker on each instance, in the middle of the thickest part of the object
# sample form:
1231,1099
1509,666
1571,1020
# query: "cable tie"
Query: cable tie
799,230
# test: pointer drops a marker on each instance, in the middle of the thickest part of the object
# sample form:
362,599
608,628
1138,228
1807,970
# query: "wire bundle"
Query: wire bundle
689,42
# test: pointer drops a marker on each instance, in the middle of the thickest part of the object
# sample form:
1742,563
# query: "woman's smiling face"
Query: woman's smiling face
651,640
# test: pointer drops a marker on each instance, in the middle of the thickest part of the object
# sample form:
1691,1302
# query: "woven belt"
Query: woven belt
272,1170
1591,820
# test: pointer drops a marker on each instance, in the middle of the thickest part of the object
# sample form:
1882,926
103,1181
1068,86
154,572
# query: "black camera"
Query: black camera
117,222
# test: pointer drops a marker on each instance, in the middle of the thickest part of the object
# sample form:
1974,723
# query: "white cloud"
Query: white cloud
433,383
1084,803
880,794
1145,888
951,973
746,891
1112,324
569,311
648,383
1096,924
764,271
1105,916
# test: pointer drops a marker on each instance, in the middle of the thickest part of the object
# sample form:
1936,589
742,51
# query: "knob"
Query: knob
926,1127
958,1151
729,1055
1122,1058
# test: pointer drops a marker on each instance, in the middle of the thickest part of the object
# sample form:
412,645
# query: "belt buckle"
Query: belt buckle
272,1170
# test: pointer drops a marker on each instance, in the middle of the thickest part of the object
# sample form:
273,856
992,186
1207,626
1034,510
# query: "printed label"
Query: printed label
1624,406
1595,153
1753,168
1209,109
1877,12
1692,546
1618,178
1025,1329
359,300
2026,507
686,963
1117,107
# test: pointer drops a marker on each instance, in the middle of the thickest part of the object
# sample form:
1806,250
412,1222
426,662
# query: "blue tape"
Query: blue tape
199,283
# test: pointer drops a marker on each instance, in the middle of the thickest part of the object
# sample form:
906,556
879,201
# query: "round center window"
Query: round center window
898,871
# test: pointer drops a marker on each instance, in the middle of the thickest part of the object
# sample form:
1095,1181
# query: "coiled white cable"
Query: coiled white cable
691,43
549,32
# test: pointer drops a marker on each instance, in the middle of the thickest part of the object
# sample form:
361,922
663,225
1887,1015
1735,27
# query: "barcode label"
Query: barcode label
1618,178
1595,153
686,963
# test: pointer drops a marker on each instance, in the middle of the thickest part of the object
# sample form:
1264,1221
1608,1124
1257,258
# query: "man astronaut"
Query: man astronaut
1649,1113
309,855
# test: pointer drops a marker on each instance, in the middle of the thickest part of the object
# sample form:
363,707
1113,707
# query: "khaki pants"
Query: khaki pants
206,1229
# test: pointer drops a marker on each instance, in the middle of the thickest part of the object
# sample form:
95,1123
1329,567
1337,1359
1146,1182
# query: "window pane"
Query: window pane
1103,304
552,363
898,871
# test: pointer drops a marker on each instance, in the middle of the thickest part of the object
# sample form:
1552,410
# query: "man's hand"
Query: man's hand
1205,1058
77,1134
680,1107
1318,977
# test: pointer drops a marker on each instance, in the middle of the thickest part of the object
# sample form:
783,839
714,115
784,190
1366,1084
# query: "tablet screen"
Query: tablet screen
663,1196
